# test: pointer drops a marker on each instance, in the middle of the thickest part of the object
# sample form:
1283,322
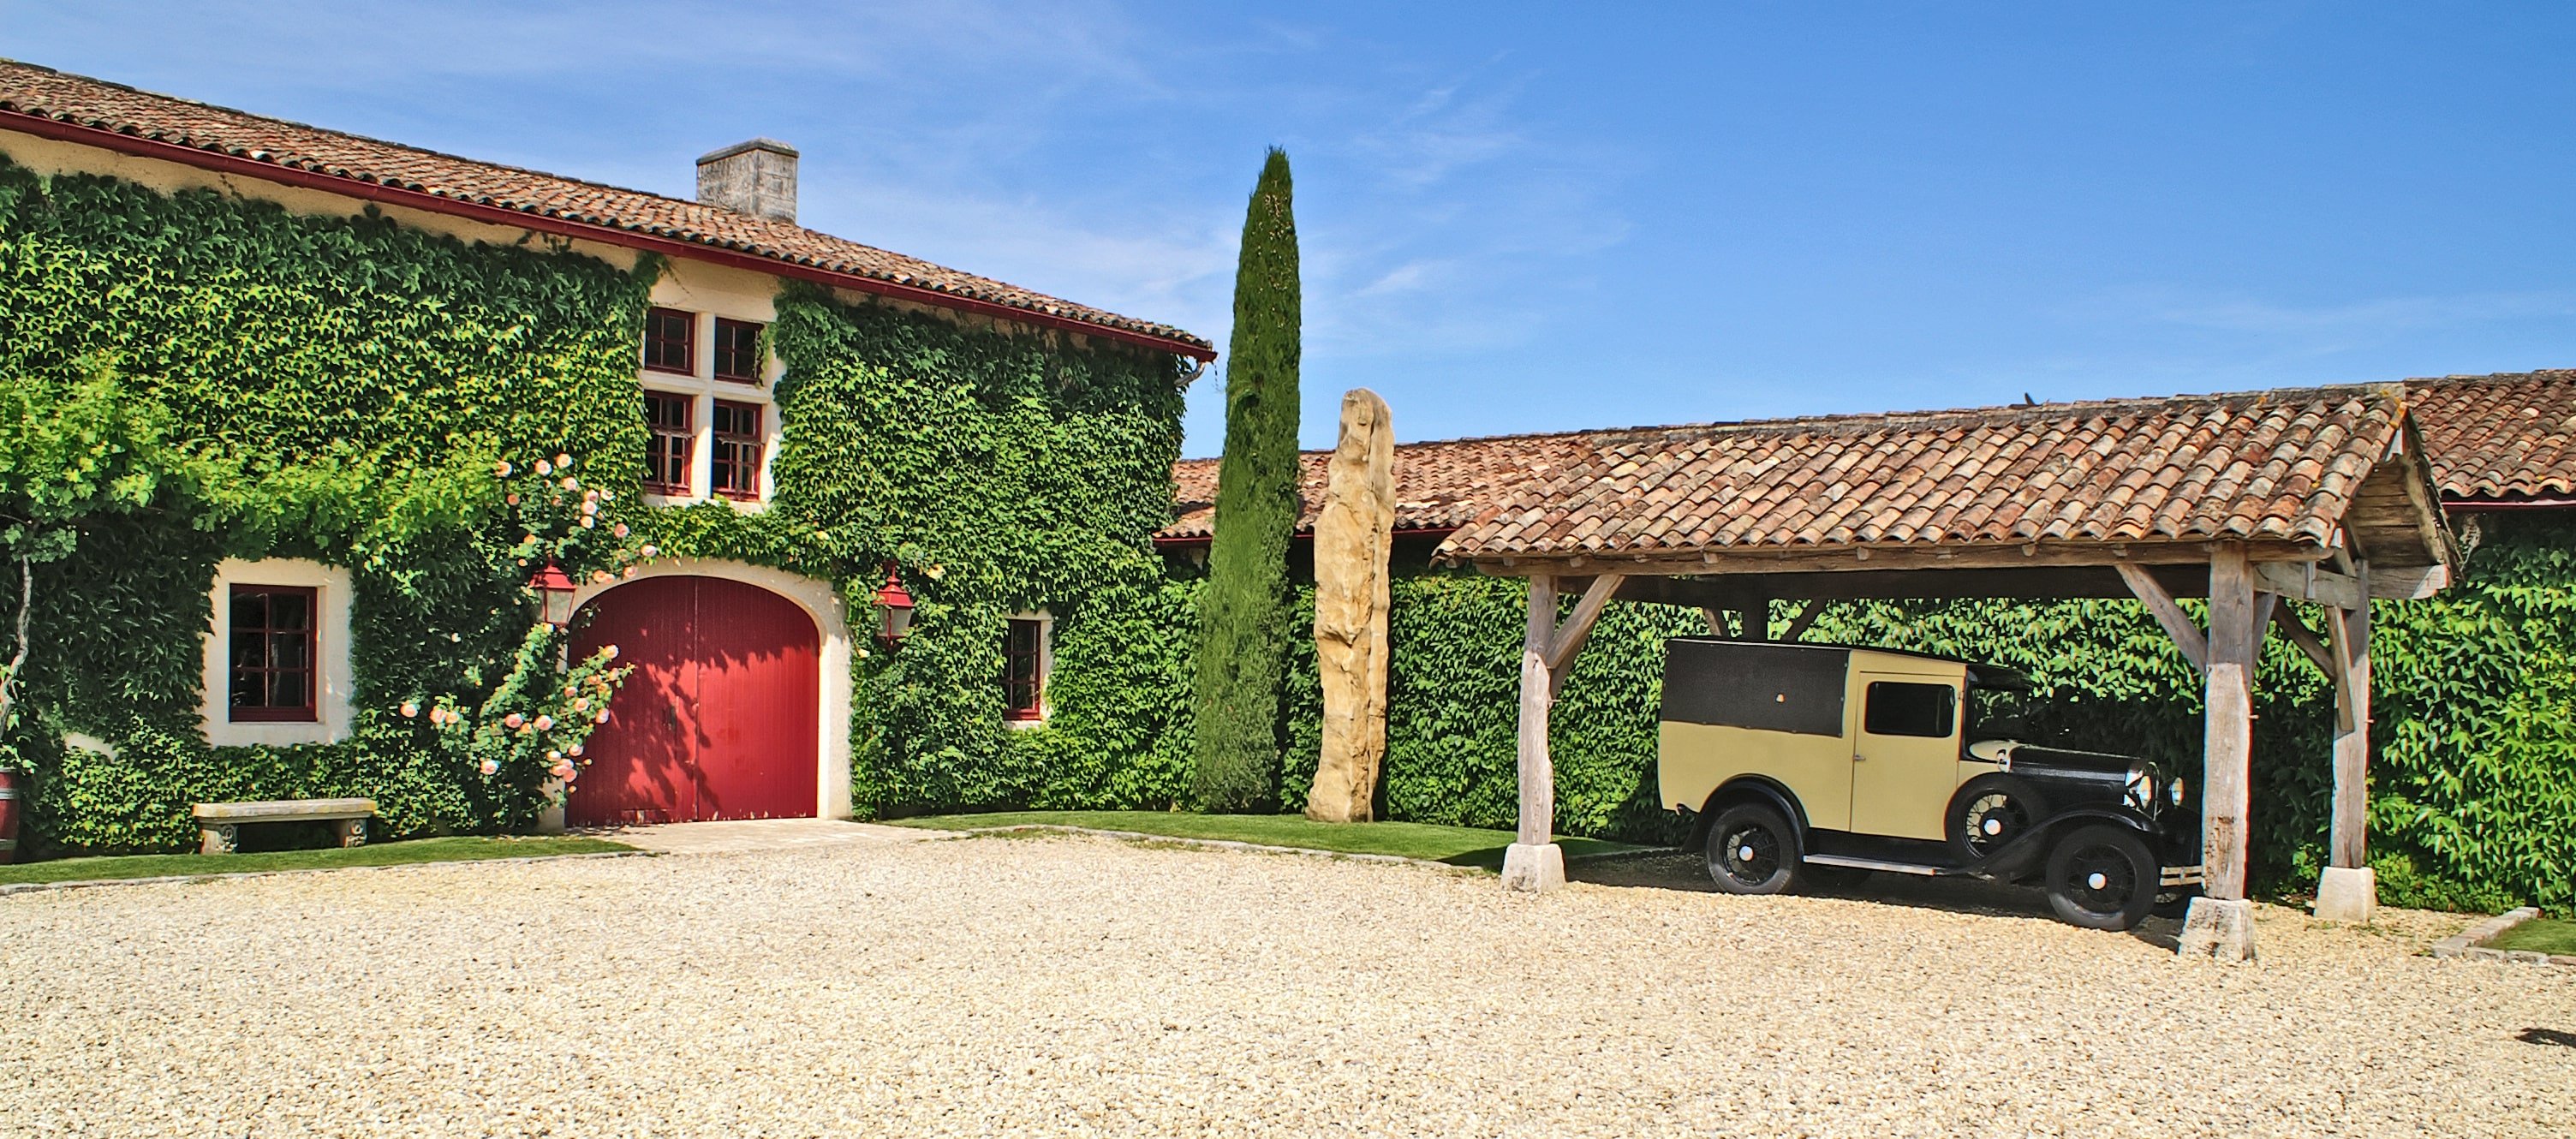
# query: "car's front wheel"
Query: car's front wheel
2102,877
1752,850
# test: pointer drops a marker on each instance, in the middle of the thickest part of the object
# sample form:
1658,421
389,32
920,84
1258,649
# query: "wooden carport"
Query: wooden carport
2254,501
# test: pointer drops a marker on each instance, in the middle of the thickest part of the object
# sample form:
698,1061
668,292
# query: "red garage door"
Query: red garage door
717,721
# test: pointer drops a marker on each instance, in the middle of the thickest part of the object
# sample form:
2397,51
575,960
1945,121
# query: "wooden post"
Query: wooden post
2228,739
2221,921
1757,622
1537,771
1533,862
2348,845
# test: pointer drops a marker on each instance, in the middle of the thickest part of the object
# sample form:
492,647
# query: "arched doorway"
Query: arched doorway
718,720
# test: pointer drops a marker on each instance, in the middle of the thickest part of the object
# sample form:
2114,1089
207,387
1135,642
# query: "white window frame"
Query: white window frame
703,389
333,681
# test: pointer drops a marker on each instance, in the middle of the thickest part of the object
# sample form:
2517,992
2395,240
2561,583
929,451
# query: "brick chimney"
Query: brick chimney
756,178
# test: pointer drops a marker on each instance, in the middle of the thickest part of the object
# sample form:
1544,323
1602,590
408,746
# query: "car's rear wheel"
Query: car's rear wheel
2102,877
1752,850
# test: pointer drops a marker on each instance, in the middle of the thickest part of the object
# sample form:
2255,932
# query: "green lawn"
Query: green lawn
460,849
2539,935
1462,846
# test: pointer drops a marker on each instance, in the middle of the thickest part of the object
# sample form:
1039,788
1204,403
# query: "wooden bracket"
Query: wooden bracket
2186,635
2296,629
1806,616
1568,638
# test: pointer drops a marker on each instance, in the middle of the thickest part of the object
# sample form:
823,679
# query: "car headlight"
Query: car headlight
2173,793
2142,787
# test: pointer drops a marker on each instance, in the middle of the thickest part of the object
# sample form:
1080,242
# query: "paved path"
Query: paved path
1064,986
748,835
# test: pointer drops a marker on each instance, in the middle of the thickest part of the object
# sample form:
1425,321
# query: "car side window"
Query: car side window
1895,708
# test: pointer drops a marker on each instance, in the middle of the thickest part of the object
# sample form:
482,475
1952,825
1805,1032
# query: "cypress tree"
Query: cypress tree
1244,612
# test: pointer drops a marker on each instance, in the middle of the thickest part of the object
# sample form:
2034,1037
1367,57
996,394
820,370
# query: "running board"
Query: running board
1876,864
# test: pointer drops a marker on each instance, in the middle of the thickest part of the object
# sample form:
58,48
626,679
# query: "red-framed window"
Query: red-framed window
673,435
737,454
737,351
272,652
671,341
1024,670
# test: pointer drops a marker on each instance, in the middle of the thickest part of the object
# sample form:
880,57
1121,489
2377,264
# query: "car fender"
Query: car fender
1748,788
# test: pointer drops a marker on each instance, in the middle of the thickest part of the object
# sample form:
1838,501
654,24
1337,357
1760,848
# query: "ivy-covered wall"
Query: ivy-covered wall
1000,470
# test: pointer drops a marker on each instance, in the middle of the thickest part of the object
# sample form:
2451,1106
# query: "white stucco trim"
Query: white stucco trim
821,602
330,585
1046,668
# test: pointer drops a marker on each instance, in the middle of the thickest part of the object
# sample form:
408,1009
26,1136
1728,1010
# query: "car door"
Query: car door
1905,755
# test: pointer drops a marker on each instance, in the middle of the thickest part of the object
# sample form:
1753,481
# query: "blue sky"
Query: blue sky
1539,217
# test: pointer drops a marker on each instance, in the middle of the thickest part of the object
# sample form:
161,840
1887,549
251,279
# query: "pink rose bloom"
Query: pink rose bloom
545,723
571,483
545,468
489,767
512,498
591,495
581,704
576,749
649,551
410,709
590,506
561,770
599,577
554,755
619,530
589,523
501,470
630,573
513,720
612,652
608,496
601,718
564,461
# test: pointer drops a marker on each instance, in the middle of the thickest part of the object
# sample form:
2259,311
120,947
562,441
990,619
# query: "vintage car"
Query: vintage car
1815,764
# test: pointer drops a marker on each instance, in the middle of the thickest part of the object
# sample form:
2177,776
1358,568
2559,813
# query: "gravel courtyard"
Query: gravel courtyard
1076,986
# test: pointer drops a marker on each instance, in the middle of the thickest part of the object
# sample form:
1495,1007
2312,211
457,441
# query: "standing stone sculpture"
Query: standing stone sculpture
1353,533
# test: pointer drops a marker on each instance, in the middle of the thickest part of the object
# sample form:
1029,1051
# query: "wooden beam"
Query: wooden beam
1568,638
1738,590
1717,624
2347,843
1807,616
2178,624
2265,604
2309,642
1755,619
1537,771
2304,581
1850,559
2228,732
2412,583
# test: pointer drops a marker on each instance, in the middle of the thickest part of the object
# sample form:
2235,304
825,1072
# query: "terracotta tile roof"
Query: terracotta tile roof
29,90
2503,437
1439,486
2282,466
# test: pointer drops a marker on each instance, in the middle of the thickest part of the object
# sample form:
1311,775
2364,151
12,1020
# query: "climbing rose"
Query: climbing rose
410,709
544,468
513,498
630,573
581,703
576,749
612,652
564,461
571,483
589,523
501,470
562,770
514,719
590,506
619,530
649,551
554,755
545,723
601,718
490,766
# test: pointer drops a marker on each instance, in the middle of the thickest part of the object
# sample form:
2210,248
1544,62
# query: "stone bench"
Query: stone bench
220,824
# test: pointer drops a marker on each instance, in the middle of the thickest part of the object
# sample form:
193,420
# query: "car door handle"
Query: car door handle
1856,758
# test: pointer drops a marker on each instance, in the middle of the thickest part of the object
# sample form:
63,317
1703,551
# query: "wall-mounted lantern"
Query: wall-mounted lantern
554,591
894,611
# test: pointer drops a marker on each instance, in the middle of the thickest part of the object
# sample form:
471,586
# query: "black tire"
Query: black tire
2102,877
1752,850
1991,811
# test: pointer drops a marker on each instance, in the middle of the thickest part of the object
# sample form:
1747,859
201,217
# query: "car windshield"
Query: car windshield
1998,713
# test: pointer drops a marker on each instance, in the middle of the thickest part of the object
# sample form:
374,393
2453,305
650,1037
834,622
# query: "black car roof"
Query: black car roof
1989,675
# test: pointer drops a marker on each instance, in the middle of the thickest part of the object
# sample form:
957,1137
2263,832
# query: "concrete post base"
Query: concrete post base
2221,929
2348,894
1533,869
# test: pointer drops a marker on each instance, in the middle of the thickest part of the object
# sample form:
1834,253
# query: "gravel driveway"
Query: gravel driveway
1074,986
